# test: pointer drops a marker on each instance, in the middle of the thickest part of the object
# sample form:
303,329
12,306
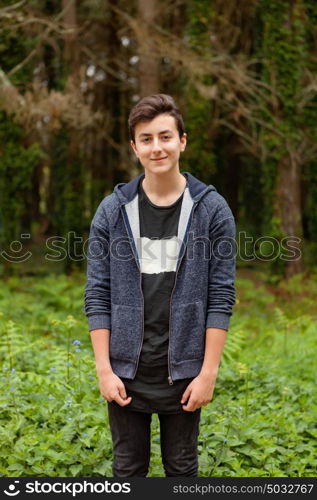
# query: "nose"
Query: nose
156,145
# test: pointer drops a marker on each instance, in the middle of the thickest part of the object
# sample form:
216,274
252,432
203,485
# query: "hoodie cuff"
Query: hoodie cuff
99,321
218,320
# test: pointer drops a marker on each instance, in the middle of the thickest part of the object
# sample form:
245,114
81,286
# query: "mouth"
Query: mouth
159,159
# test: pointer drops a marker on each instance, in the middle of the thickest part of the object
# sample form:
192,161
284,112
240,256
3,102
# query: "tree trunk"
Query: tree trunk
283,46
288,206
73,190
70,52
288,184
149,61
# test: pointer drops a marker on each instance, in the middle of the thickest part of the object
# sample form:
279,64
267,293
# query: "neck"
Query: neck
164,185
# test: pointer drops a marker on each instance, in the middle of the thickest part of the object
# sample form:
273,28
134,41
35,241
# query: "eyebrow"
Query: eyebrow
162,132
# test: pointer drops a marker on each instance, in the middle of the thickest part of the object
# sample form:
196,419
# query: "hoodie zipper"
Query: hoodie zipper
140,349
170,380
140,283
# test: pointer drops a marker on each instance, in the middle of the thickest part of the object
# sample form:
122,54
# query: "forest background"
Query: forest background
243,73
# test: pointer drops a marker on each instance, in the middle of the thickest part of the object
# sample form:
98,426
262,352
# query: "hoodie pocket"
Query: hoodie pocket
188,335
126,331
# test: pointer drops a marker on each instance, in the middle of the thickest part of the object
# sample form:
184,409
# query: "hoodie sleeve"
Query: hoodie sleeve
97,291
222,266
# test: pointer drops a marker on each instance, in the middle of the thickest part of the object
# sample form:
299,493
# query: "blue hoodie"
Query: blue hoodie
203,293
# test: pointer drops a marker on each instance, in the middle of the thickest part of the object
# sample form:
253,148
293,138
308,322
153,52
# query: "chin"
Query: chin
161,169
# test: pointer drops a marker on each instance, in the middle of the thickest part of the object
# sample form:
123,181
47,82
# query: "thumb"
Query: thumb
186,394
123,395
123,402
122,391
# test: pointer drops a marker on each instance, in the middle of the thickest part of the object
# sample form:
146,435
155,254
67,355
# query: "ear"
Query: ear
183,141
133,146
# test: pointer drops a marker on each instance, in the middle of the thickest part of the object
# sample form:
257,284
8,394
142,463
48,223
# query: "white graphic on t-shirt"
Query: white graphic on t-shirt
158,256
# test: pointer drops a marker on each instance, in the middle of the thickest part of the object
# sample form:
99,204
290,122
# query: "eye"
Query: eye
146,139
166,137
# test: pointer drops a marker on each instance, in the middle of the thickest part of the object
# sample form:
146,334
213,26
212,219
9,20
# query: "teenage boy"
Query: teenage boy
159,296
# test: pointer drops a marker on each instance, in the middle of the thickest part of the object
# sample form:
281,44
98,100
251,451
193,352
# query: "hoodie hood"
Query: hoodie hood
126,191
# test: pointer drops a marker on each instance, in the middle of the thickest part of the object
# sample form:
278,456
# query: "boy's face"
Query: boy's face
158,145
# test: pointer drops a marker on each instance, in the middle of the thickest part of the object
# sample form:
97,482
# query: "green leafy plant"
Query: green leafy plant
53,422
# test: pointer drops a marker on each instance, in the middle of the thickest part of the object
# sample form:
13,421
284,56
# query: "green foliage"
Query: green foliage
284,54
58,380
199,158
17,163
310,172
262,419
284,48
234,343
14,48
67,197
261,422
280,35
199,15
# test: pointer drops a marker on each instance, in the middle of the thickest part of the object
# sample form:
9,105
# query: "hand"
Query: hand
199,392
112,388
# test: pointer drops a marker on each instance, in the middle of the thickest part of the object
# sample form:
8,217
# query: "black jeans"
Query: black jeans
131,439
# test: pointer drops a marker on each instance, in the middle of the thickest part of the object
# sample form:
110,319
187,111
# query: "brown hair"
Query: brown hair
151,106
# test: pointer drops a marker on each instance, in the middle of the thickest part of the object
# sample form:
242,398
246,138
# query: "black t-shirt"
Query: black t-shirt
150,389
158,232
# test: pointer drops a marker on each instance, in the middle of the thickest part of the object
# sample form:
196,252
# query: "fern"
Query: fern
301,322
234,344
281,320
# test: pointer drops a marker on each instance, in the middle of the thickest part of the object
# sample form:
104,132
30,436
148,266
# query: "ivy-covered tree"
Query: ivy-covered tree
284,55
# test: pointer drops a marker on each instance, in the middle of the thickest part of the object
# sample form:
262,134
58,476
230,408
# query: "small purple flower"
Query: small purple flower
84,434
13,370
225,440
12,388
52,369
76,342
51,397
68,363
78,350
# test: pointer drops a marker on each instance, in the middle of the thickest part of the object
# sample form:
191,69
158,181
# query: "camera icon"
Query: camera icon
12,490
